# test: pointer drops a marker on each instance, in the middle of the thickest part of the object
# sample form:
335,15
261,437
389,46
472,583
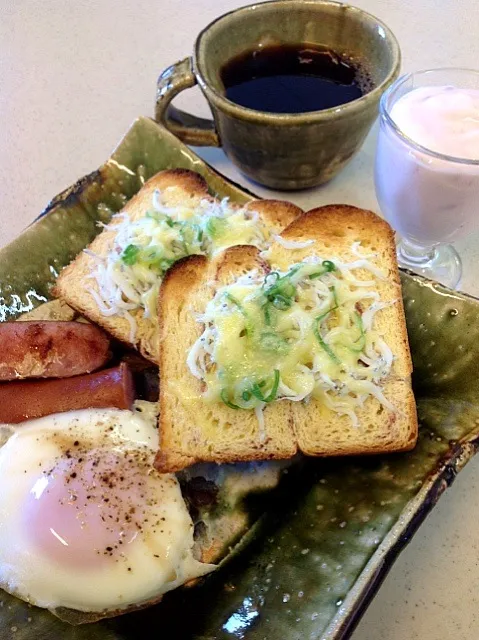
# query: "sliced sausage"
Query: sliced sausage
24,400
51,349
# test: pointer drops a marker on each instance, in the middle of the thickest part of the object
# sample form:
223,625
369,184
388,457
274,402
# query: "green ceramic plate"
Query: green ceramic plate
333,528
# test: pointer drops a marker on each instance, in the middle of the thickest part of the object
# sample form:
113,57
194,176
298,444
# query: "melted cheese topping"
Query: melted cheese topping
306,333
129,277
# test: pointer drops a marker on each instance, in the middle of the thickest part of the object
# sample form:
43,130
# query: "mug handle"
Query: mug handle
190,129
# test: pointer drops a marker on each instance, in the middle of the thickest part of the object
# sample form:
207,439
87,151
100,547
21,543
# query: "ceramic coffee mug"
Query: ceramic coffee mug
283,151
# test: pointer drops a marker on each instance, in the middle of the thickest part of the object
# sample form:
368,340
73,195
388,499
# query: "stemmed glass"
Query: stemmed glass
429,198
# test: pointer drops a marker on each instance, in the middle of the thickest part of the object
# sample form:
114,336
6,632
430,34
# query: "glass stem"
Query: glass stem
415,254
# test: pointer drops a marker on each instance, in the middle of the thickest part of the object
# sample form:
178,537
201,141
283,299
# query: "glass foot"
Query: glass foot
441,263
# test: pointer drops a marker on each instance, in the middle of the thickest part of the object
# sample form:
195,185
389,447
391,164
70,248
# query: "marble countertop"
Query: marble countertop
74,75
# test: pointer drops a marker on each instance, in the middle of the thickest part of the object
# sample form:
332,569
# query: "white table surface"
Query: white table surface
75,74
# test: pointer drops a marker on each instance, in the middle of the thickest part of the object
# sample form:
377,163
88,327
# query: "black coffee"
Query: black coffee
292,79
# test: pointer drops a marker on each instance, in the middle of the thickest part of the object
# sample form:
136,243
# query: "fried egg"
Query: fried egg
85,521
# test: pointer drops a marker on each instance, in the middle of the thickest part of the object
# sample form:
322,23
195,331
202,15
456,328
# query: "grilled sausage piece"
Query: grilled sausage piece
25,400
51,349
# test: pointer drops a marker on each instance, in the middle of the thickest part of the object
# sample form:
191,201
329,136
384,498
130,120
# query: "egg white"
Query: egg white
158,560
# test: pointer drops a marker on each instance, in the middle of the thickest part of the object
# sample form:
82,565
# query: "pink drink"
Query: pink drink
427,164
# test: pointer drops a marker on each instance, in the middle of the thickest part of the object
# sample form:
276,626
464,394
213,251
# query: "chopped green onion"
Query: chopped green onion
287,289
130,254
293,270
256,390
272,274
316,329
246,395
274,390
281,292
241,309
327,267
227,402
280,285
216,227
162,217
360,342
189,234
151,256
335,296
235,301
267,313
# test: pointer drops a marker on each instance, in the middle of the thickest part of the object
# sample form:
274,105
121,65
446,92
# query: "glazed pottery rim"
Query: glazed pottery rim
308,117
414,514
385,114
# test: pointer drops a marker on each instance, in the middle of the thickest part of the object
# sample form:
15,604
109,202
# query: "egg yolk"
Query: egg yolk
89,507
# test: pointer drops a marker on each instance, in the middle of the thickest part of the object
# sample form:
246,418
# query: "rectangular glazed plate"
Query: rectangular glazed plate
331,532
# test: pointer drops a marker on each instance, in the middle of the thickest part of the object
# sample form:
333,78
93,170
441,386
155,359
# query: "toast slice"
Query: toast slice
319,430
179,187
192,430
